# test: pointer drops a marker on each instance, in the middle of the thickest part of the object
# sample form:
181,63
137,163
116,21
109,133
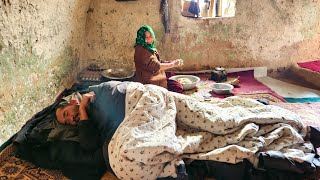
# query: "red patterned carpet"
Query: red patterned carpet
248,85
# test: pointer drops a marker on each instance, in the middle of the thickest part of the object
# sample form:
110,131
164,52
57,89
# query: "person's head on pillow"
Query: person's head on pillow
68,113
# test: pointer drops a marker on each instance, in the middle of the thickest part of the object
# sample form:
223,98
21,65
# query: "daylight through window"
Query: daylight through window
208,8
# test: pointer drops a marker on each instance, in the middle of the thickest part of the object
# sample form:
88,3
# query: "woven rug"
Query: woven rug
271,98
12,167
310,112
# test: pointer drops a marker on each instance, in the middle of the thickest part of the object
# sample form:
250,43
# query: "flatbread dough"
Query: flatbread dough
184,81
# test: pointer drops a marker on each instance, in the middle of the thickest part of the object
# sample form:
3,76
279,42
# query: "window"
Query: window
208,8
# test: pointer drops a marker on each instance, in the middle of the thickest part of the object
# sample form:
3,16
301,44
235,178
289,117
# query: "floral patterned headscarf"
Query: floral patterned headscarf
140,40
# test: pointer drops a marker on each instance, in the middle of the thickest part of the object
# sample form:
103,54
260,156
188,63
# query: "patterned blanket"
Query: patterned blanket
162,128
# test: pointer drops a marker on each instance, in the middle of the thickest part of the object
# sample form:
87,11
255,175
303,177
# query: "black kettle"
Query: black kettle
219,74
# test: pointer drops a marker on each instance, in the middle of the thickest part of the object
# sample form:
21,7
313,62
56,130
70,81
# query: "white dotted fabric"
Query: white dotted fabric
162,128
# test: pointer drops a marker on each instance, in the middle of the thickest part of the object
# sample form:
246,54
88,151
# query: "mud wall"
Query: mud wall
40,44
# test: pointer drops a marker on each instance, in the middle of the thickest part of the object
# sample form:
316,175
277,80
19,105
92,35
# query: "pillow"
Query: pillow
73,98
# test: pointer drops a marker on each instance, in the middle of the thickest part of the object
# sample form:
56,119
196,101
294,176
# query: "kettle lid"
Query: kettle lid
219,68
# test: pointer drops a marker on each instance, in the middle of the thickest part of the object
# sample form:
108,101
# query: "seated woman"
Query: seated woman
149,68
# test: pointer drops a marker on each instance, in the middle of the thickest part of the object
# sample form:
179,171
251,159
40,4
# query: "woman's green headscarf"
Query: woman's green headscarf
141,38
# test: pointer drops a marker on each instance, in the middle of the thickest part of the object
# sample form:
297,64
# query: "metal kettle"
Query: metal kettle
219,74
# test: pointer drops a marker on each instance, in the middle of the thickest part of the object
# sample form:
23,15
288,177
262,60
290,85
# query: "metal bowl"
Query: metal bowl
187,86
221,88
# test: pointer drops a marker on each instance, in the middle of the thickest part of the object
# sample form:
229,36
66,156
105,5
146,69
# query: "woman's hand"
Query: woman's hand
172,64
177,62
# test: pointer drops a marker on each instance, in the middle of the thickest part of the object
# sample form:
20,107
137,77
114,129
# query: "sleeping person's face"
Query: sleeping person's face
68,114
148,37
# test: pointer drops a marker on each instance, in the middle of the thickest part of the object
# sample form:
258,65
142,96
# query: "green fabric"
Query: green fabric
140,40
302,100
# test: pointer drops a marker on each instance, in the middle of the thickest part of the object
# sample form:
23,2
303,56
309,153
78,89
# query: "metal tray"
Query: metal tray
118,73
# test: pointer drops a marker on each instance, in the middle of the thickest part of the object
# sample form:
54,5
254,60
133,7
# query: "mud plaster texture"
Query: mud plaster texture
40,45
44,44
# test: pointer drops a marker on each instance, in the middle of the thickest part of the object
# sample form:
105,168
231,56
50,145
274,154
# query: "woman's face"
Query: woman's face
149,38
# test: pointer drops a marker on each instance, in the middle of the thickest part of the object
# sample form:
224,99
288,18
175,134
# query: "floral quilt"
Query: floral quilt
163,129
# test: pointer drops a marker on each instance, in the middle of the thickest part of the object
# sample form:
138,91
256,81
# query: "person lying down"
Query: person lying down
70,134
147,132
